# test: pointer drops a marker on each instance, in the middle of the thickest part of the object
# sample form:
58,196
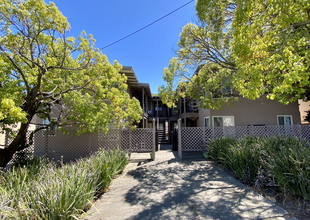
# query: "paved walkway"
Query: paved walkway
169,188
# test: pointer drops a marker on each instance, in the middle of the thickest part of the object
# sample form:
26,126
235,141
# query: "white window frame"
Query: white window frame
223,119
204,122
284,116
228,131
286,129
150,111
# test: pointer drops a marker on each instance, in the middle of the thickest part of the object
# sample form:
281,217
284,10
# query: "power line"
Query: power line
147,25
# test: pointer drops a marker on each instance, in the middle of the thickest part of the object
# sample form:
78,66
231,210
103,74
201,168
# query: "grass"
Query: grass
280,161
43,190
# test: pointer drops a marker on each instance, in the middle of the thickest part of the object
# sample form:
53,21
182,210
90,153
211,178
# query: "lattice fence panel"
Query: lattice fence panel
125,140
305,133
141,140
110,140
192,139
58,146
29,151
66,147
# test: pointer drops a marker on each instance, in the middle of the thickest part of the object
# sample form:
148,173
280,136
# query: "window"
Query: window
149,108
207,122
224,126
285,120
226,93
159,107
223,121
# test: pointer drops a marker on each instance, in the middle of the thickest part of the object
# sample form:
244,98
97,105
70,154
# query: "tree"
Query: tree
42,69
260,47
271,48
205,65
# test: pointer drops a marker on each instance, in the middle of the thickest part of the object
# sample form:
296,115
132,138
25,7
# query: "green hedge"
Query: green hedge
282,161
43,190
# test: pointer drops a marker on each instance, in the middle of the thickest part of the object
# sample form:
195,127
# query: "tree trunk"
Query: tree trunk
19,143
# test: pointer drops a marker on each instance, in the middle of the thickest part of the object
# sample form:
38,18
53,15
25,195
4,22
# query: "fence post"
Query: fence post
154,141
179,139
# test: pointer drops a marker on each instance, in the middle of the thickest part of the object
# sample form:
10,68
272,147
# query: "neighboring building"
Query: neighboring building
165,118
153,109
140,91
243,112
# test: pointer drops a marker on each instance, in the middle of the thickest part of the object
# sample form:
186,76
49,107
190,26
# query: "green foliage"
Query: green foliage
44,71
41,67
219,148
258,47
288,159
271,51
22,158
41,190
282,160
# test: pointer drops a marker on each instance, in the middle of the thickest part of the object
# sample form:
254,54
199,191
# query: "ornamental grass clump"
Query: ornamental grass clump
43,190
219,148
288,160
281,161
240,155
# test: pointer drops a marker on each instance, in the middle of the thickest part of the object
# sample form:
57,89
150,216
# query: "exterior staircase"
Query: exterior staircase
162,138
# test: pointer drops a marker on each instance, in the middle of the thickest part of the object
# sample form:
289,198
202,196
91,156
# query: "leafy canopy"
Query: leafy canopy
255,47
271,48
41,69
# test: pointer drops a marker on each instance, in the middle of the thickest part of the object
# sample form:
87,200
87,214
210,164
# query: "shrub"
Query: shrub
42,190
280,160
239,155
219,147
288,160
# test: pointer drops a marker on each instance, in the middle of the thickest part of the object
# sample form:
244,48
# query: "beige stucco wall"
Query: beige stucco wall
303,107
260,111
202,114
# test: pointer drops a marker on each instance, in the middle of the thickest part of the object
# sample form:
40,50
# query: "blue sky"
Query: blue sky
148,51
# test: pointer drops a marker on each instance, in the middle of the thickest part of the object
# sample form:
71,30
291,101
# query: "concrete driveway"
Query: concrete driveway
169,188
